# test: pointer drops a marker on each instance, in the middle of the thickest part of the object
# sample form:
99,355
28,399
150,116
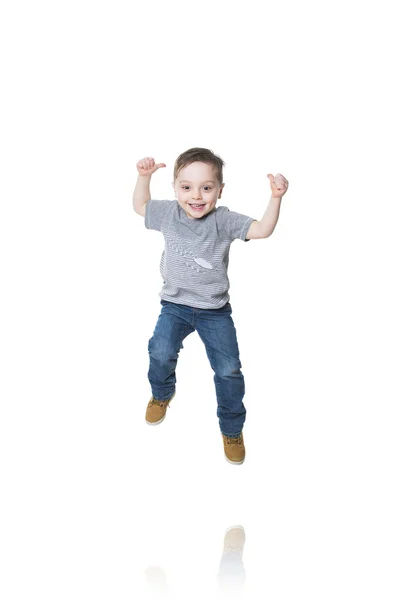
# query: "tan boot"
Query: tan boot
156,409
234,449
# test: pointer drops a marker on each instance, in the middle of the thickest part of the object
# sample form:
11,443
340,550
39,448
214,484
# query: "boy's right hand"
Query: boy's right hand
147,166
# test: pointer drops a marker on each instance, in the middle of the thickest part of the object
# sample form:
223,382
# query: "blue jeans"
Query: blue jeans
217,331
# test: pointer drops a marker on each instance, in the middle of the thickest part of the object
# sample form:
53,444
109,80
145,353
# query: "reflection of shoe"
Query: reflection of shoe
156,409
234,539
232,575
234,449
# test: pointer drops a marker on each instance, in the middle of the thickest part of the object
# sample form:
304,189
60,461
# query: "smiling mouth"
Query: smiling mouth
196,205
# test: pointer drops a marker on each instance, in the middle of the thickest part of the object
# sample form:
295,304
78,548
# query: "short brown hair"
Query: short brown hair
199,155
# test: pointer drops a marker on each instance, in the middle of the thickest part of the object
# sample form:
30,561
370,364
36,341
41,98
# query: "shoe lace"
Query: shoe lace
237,440
159,402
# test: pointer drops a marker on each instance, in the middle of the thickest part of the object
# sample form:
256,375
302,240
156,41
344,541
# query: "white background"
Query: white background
91,496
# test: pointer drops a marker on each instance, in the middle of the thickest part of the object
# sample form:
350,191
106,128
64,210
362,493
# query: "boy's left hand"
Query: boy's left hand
279,185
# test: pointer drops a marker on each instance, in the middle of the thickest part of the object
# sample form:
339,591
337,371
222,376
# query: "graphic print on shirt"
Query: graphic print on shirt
198,261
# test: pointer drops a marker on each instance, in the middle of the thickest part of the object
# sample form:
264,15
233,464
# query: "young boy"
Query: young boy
194,295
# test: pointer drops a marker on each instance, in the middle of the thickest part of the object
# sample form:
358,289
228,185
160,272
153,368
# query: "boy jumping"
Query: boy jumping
194,296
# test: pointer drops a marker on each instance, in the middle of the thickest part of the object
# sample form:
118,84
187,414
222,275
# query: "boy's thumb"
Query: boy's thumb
270,177
160,165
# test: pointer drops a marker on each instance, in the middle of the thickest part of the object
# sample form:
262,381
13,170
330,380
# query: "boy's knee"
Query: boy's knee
228,369
162,349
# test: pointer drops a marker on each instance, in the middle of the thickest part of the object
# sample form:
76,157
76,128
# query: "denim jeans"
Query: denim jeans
217,331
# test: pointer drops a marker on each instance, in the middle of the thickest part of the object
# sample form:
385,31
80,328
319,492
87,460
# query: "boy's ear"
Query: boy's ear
173,187
222,187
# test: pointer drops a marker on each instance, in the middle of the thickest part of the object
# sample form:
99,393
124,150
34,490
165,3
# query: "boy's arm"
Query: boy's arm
141,194
265,227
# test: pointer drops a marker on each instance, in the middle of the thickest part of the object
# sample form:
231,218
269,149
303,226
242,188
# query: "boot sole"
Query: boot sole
234,462
156,422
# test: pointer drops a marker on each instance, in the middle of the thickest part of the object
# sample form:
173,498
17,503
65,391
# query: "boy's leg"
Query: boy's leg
172,327
217,331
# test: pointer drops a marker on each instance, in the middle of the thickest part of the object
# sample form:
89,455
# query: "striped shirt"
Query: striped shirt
195,259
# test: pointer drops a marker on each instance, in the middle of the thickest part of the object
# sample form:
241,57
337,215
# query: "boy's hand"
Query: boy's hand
279,185
147,166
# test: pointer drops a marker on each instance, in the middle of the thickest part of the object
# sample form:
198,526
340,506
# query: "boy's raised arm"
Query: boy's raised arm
146,167
264,228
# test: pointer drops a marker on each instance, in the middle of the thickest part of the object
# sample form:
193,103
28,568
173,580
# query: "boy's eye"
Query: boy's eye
186,187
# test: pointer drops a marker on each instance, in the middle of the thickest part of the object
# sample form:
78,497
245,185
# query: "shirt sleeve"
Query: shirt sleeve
234,224
156,211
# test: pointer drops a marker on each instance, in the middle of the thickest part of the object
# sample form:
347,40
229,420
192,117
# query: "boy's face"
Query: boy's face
197,189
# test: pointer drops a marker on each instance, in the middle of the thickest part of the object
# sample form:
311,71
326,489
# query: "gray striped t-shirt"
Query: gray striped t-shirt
195,260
